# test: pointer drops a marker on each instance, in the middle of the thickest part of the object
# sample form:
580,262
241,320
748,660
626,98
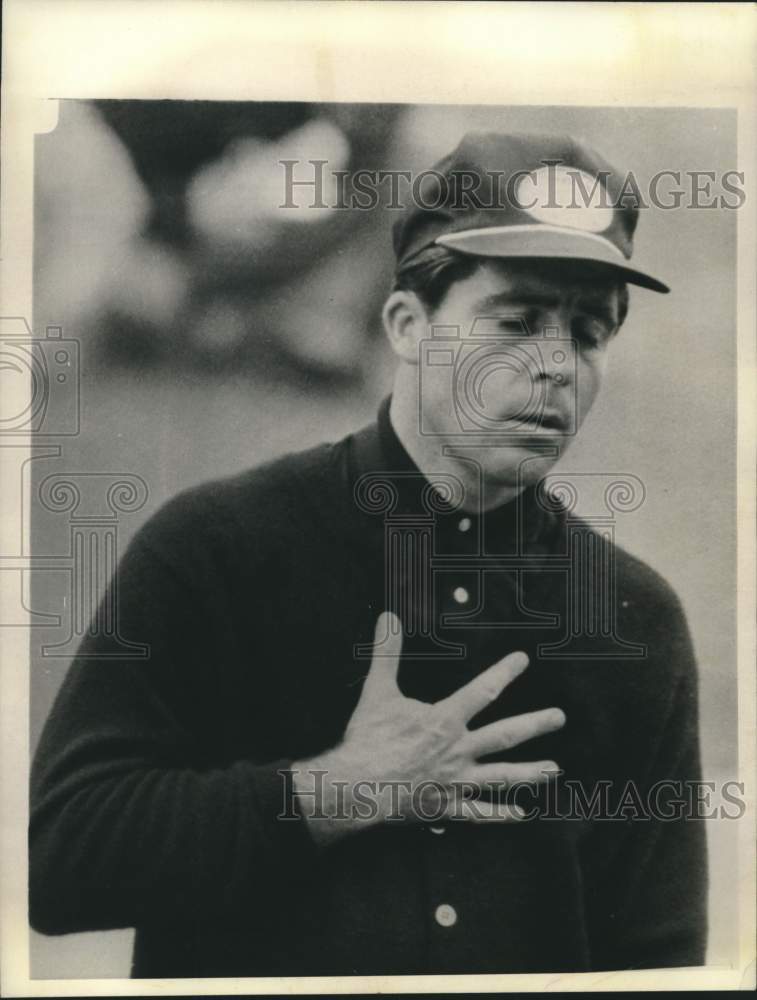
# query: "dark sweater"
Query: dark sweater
156,786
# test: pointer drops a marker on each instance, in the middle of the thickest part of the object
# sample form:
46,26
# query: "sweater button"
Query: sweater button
446,915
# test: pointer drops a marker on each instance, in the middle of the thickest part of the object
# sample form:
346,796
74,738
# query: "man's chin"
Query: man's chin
519,465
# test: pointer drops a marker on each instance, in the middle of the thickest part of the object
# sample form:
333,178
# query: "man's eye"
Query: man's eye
591,331
514,327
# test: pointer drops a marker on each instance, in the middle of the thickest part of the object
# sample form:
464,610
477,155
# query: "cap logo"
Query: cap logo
565,196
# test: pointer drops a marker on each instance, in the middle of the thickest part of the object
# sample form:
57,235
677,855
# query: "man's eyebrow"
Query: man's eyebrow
596,304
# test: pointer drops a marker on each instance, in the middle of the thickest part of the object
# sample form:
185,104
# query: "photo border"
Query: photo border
626,54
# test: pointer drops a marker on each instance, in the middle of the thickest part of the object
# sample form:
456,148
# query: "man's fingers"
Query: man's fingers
506,775
507,733
482,690
481,811
387,648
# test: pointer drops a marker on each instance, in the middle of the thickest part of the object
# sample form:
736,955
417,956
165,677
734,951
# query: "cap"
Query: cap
524,196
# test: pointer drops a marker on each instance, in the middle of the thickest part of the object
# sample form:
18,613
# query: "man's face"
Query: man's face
514,362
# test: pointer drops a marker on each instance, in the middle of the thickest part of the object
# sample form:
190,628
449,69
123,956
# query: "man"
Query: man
375,666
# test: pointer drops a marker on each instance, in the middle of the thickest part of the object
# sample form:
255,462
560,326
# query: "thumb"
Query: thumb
387,648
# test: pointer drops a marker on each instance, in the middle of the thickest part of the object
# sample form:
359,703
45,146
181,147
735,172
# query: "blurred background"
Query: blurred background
217,329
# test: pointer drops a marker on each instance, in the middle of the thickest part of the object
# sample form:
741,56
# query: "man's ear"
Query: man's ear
406,324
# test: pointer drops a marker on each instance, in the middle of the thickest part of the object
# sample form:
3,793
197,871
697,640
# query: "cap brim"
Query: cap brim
548,242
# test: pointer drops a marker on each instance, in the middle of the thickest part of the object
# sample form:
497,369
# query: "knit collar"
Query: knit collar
388,481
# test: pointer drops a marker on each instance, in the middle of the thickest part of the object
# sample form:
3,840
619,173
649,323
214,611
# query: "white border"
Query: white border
581,54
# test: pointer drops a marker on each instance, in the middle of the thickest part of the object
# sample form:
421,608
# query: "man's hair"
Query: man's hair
431,273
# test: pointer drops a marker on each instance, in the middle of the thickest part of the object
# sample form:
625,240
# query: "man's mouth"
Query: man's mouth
550,420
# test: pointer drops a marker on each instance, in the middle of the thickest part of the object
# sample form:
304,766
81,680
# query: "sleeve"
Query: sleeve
129,822
650,902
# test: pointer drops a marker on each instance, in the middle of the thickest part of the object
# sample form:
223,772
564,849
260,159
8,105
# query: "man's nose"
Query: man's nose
555,348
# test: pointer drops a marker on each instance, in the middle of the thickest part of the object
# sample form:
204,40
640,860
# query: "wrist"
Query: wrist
324,787
318,798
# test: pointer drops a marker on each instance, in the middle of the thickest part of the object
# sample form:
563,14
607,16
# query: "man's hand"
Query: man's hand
400,757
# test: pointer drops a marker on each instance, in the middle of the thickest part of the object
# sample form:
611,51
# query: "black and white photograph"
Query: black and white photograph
379,598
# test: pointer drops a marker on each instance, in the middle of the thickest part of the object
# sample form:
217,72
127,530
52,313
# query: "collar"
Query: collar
387,481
